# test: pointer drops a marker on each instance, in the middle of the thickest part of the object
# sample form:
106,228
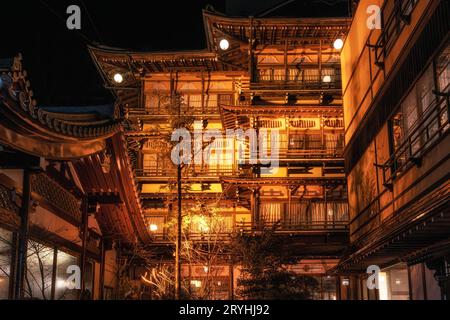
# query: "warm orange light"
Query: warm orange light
118,78
338,44
224,44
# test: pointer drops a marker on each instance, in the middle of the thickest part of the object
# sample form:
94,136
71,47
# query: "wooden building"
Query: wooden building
396,110
268,74
68,200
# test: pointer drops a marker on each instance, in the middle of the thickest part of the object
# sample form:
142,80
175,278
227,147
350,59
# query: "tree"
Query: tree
202,245
265,274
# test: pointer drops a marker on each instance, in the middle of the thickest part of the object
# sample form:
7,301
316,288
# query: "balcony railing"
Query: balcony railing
430,130
189,171
394,22
299,79
184,110
286,226
280,228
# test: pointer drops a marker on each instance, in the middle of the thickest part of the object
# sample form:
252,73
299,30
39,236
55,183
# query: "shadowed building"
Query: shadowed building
396,102
67,198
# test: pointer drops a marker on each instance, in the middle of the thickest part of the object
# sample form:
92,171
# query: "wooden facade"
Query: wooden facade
397,159
68,198
274,74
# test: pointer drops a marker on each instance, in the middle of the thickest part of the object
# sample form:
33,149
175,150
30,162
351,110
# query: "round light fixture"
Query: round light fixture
153,228
327,79
118,78
338,44
61,284
224,44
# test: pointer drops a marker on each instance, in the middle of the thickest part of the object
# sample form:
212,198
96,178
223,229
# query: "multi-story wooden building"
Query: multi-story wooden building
396,102
269,74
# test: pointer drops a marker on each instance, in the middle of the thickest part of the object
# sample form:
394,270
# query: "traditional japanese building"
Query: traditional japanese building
278,75
68,199
396,76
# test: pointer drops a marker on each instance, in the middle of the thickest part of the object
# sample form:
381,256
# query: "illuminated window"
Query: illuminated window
39,271
383,285
5,262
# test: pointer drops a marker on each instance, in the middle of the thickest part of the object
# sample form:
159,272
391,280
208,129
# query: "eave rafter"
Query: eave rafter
33,130
274,31
252,110
258,182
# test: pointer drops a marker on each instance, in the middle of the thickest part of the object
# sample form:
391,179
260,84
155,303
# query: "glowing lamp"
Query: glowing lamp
338,44
118,78
153,228
224,44
327,79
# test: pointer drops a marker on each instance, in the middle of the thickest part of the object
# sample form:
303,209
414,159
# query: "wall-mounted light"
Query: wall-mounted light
224,44
346,282
338,44
118,78
106,162
326,79
196,283
153,228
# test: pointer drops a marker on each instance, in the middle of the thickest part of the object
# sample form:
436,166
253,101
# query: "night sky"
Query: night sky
59,66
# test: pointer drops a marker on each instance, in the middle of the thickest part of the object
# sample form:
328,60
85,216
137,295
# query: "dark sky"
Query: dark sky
57,61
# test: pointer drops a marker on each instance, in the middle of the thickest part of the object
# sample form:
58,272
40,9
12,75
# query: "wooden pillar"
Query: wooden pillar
102,269
251,64
338,288
22,246
286,69
179,195
84,238
54,270
178,242
289,212
231,281
409,283
319,58
424,282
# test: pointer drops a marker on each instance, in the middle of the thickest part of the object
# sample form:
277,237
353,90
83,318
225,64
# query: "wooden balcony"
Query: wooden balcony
428,132
281,228
297,82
